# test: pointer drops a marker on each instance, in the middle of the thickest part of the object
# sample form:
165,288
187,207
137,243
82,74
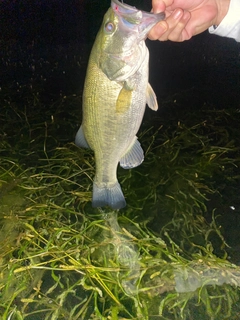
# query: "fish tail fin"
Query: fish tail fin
112,196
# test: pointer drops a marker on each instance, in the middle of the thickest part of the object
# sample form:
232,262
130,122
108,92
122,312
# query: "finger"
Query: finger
172,22
179,32
157,31
160,5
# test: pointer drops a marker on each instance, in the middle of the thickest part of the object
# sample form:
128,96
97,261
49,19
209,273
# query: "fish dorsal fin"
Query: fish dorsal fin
80,139
133,157
151,98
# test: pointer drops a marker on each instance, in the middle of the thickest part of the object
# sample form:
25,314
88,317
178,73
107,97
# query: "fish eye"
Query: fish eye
109,27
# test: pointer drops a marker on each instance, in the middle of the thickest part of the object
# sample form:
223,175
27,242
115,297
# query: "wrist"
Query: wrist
223,6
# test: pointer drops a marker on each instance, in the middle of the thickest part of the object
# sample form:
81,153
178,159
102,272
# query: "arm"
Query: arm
230,24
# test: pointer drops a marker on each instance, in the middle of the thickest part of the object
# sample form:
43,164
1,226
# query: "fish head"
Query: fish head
133,20
120,39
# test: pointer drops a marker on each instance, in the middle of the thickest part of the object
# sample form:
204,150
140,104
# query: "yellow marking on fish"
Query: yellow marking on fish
124,100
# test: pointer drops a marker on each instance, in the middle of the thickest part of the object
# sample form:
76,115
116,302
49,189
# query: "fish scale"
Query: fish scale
115,94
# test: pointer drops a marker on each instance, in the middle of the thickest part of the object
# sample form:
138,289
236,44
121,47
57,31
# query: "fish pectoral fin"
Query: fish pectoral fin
124,100
151,98
80,139
133,157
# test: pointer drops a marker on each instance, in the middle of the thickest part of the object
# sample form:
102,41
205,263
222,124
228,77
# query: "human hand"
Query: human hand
186,18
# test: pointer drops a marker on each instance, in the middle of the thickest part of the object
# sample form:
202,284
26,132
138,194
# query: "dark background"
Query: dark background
207,66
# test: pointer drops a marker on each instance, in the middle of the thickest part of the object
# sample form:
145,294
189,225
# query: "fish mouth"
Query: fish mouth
141,20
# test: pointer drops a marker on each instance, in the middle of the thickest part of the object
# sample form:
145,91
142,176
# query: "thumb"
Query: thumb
158,6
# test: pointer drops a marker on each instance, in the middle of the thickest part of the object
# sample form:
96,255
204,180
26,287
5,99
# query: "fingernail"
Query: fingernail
177,14
161,26
158,30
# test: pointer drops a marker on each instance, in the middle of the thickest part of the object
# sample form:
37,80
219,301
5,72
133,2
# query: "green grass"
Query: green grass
165,256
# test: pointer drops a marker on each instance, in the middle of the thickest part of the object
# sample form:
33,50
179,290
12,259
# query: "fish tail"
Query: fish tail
105,196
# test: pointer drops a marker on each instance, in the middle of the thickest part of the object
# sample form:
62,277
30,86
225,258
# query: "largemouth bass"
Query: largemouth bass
116,91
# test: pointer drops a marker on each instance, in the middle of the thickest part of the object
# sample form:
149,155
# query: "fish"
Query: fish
115,94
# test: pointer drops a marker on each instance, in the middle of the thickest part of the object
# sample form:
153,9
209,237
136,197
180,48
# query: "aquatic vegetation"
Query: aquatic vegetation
165,256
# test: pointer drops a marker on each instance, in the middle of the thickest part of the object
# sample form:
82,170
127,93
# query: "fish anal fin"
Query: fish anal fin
108,196
133,157
80,139
151,98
